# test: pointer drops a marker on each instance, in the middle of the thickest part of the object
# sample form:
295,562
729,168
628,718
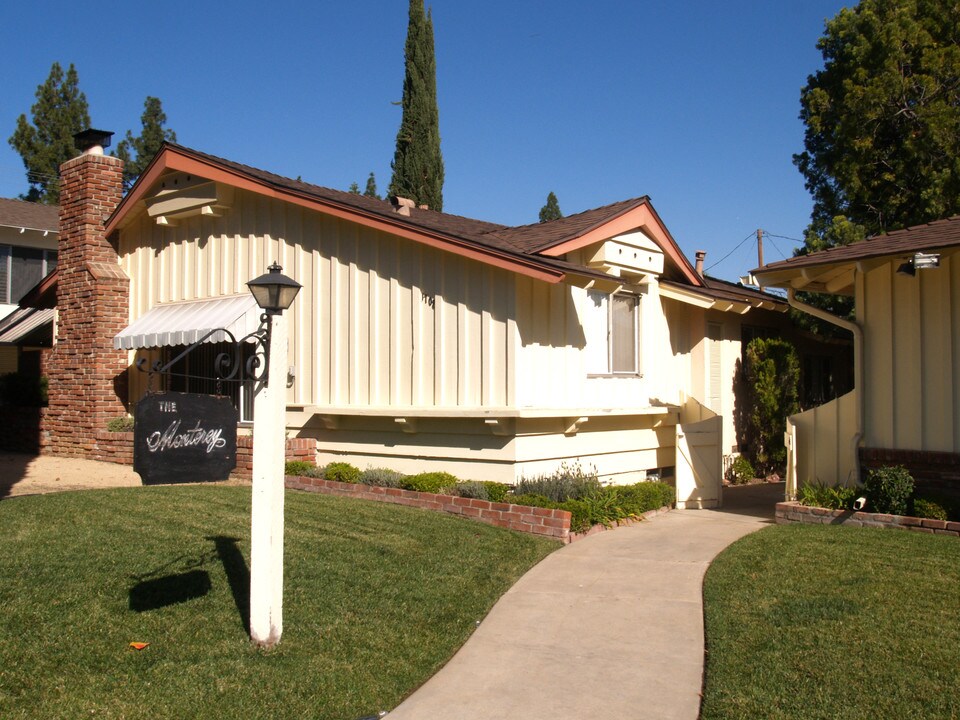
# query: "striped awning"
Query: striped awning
184,323
22,321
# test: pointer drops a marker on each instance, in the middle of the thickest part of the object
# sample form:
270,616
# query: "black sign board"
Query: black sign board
184,437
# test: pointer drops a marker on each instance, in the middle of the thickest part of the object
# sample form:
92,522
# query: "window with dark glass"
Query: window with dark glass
197,373
21,268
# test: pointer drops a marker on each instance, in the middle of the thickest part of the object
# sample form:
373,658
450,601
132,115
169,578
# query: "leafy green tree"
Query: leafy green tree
550,211
768,391
60,112
882,138
354,189
371,189
417,163
138,152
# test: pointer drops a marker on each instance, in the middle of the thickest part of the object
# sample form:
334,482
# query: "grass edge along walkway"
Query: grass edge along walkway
806,621
376,598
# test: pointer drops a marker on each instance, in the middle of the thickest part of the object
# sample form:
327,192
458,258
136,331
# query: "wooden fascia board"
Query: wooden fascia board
172,160
642,216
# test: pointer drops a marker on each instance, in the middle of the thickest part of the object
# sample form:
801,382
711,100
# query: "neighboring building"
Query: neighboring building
420,340
28,253
906,405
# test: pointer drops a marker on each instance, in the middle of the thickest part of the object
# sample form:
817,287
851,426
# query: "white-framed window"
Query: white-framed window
612,328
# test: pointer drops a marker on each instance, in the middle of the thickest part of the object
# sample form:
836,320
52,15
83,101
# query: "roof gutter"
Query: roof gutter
857,332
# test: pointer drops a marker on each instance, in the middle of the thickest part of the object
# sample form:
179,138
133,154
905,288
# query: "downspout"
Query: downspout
857,332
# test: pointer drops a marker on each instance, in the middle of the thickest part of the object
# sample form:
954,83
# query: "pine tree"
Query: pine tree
354,189
371,190
138,152
882,118
60,112
417,163
550,211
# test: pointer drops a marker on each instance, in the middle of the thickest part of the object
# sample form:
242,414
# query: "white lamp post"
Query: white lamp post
274,292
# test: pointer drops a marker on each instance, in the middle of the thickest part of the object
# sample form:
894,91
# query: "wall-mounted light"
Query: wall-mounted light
919,261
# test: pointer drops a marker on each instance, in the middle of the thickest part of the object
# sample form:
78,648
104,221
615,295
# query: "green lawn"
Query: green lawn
377,598
831,622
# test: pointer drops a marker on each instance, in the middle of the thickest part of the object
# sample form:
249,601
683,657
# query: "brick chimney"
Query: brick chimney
87,376
701,256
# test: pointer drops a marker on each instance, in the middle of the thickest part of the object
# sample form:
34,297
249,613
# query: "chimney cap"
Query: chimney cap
86,140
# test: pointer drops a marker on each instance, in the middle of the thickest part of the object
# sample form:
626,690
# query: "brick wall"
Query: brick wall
794,512
87,376
938,471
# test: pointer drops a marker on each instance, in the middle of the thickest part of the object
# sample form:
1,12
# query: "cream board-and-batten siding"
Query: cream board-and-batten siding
396,328
911,355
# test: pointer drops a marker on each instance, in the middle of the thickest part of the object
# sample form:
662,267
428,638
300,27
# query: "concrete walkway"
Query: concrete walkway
608,627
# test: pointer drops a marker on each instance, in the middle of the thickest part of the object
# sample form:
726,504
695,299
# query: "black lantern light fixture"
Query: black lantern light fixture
274,291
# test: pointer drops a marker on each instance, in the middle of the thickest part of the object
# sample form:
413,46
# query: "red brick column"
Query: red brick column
87,376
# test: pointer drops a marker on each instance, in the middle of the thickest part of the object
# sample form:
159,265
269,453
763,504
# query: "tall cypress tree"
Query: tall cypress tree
60,112
417,163
137,152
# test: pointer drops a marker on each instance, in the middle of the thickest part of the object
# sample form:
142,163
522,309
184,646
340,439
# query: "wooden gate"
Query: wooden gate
699,465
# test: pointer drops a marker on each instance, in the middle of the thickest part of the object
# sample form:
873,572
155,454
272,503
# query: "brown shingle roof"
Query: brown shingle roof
540,236
931,236
524,243
33,216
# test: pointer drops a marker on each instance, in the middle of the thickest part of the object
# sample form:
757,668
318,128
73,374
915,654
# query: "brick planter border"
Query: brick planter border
533,520
794,512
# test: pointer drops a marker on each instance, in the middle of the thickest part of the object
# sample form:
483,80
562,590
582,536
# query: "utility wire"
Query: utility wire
730,253
775,246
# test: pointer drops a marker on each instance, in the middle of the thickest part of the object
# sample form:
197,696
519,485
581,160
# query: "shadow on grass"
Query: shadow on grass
238,574
155,590
169,590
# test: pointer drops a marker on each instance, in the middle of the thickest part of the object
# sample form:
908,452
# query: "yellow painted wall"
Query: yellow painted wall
911,357
389,324
381,321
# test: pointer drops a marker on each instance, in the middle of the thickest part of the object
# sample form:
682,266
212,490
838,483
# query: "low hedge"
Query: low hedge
590,504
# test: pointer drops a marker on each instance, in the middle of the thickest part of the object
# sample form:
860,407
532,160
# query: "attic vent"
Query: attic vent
402,205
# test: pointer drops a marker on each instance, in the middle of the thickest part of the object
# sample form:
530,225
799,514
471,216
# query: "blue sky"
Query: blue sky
692,103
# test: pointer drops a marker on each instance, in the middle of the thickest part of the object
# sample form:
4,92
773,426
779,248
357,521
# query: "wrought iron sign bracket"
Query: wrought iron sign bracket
228,366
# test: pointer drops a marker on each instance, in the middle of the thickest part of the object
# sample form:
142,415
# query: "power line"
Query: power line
730,253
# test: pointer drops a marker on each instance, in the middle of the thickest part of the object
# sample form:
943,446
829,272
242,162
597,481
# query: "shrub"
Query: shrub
297,467
769,377
888,490
568,482
472,489
496,491
923,508
432,482
826,496
637,499
607,505
342,472
740,472
382,477
120,424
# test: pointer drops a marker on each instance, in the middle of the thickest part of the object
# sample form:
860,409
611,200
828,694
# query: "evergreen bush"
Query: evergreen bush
342,472
888,490
432,482
769,384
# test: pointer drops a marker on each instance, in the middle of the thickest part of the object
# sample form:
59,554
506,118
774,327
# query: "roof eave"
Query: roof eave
181,159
